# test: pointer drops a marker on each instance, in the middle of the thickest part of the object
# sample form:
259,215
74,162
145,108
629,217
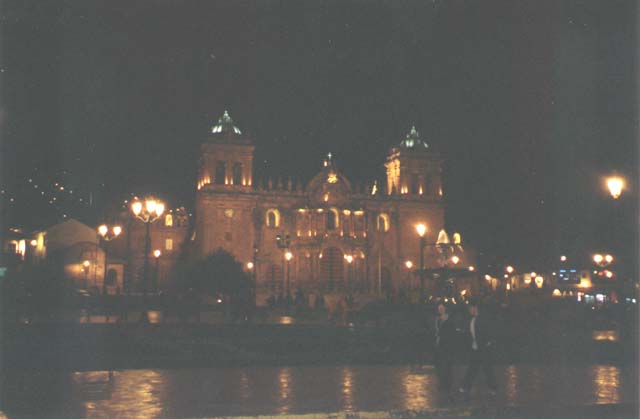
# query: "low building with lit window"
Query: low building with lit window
341,236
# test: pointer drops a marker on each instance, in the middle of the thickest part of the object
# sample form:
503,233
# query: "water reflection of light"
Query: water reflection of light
606,380
139,394
511,383
347,389
284,383
610,335
418,390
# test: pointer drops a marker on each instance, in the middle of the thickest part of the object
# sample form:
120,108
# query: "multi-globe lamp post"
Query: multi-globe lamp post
107,234
148,211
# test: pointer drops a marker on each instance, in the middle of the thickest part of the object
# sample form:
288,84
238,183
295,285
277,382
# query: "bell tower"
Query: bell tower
226,158
413,169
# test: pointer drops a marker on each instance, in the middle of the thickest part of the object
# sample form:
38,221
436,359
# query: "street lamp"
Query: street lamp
455,260
156,255
615,184
147,212
288,256
421,229
107,234
283,242
85,268
602,260
349,259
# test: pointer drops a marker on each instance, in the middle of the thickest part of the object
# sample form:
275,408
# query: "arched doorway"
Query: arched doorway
332,268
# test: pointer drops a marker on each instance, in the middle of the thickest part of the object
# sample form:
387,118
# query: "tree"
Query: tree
219,274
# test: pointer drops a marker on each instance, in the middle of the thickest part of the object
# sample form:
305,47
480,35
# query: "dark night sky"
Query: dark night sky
530,103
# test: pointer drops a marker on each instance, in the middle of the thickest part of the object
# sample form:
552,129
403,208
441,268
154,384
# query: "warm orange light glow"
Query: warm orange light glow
250,265
527,280
34,242
159,208
421,229
508,286
487,277
556,293
151,205
288,256
608,274
136,207
598,258
455,260
563,258
615,185
103,230
608,258
408,264
86,263
157,253
472,268
349,258
509,269
117,230
539,281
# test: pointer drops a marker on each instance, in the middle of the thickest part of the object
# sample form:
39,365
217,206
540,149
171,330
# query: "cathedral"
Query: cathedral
328,235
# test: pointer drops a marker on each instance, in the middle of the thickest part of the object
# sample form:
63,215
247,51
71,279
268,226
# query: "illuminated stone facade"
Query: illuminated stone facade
340,237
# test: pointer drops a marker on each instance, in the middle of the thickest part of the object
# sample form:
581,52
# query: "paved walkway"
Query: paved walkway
366,392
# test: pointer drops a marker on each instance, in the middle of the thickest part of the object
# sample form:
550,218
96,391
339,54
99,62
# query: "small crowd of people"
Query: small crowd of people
479,342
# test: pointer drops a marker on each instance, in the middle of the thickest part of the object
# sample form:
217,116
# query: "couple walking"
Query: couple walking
478,342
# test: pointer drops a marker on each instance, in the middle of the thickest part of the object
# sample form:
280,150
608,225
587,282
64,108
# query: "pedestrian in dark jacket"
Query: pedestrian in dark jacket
445,333
480,342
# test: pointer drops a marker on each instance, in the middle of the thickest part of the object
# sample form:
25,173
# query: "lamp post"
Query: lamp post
349,259
107,234
156,254
283,241
288,255
421,229
254,267
147,212
85,268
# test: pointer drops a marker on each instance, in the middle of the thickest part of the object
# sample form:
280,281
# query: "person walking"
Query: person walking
481,345
445,333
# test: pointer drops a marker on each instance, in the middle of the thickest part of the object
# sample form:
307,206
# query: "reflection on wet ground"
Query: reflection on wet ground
274,390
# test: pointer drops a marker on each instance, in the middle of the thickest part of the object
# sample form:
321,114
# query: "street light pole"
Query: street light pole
288,257
147,213
283,242
106,236
422,229
255,274
156,255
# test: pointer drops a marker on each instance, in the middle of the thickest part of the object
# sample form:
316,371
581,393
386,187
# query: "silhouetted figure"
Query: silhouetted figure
481,344
444,335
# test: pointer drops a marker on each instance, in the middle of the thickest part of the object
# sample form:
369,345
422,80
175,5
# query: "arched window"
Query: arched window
272,218
383,223
221,168
332,219
237,174
168,220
